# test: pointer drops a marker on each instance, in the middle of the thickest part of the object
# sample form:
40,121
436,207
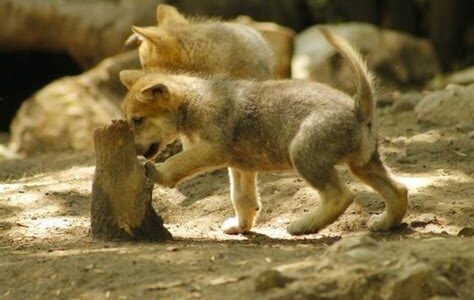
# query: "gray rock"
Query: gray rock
270,279
405,102
450,106
418,281
62,115
462,77
396,58
352,243
465,127
423,220
394,270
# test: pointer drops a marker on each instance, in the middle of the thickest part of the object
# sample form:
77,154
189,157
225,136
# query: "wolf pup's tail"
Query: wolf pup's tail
364,99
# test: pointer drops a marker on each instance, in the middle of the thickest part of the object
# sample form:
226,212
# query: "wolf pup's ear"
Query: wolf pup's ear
148,33
132,41
157,91
129,77
168,15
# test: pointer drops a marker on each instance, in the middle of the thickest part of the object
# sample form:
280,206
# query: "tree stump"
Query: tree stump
121,192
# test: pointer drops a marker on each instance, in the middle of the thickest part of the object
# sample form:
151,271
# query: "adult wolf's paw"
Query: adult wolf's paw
231,226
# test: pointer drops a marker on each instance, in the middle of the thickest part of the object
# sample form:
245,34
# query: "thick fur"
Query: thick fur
208,47
267,126
203,46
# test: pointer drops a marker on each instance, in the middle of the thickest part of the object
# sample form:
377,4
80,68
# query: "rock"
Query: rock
7,153
466,231
89,31
404,160
418,281
462,77
423,220
270,279
389,270
450,106
405,102
431,136
385,99
396,58
352,243
280,39
465,127
63,114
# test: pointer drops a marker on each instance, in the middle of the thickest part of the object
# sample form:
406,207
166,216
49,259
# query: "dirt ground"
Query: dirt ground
46,252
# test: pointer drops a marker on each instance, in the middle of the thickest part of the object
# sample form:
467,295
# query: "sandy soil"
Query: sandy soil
46,252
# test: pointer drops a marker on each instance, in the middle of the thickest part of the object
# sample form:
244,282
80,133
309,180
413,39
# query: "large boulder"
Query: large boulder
63,114
87,30
451,106
397,59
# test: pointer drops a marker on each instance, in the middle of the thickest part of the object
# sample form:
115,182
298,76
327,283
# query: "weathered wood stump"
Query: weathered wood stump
121,192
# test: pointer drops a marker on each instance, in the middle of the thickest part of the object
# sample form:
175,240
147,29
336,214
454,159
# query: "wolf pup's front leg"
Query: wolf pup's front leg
243,193
196,159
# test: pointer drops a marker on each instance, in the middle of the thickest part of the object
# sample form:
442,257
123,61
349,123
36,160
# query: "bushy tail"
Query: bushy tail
364,99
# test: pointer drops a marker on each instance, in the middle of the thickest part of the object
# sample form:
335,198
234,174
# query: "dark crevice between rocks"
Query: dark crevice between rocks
24,72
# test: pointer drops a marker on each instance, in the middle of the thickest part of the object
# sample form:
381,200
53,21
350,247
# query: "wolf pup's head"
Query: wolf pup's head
158,47
151,109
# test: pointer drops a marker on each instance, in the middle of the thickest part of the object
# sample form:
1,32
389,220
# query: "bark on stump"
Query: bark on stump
121,193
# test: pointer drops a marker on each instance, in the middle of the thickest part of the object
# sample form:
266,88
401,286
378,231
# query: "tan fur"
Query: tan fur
364,99
203,46
266,126
207,47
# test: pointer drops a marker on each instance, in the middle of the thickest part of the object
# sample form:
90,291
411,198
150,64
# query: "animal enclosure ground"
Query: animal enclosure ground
46,251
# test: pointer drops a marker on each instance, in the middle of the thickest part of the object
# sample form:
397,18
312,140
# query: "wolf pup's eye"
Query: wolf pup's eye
137,121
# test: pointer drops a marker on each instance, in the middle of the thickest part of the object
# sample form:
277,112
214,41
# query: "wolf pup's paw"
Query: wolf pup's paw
381,222
150,171
301,227
232,226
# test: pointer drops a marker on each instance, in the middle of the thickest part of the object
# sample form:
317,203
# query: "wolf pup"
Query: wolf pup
267,126
207,47
203,46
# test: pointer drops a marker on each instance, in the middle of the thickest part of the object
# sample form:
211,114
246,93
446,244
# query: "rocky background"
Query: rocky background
409,44
60,61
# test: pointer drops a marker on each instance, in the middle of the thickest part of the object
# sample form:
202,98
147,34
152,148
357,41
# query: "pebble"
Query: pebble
271,279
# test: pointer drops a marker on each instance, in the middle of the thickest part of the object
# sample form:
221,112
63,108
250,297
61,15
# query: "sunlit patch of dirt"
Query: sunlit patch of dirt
46,250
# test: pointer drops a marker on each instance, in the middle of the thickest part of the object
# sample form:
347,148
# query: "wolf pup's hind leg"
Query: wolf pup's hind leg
313,160
395,194
335,198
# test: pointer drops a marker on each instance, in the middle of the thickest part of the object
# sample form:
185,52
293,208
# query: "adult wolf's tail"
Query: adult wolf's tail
364,99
